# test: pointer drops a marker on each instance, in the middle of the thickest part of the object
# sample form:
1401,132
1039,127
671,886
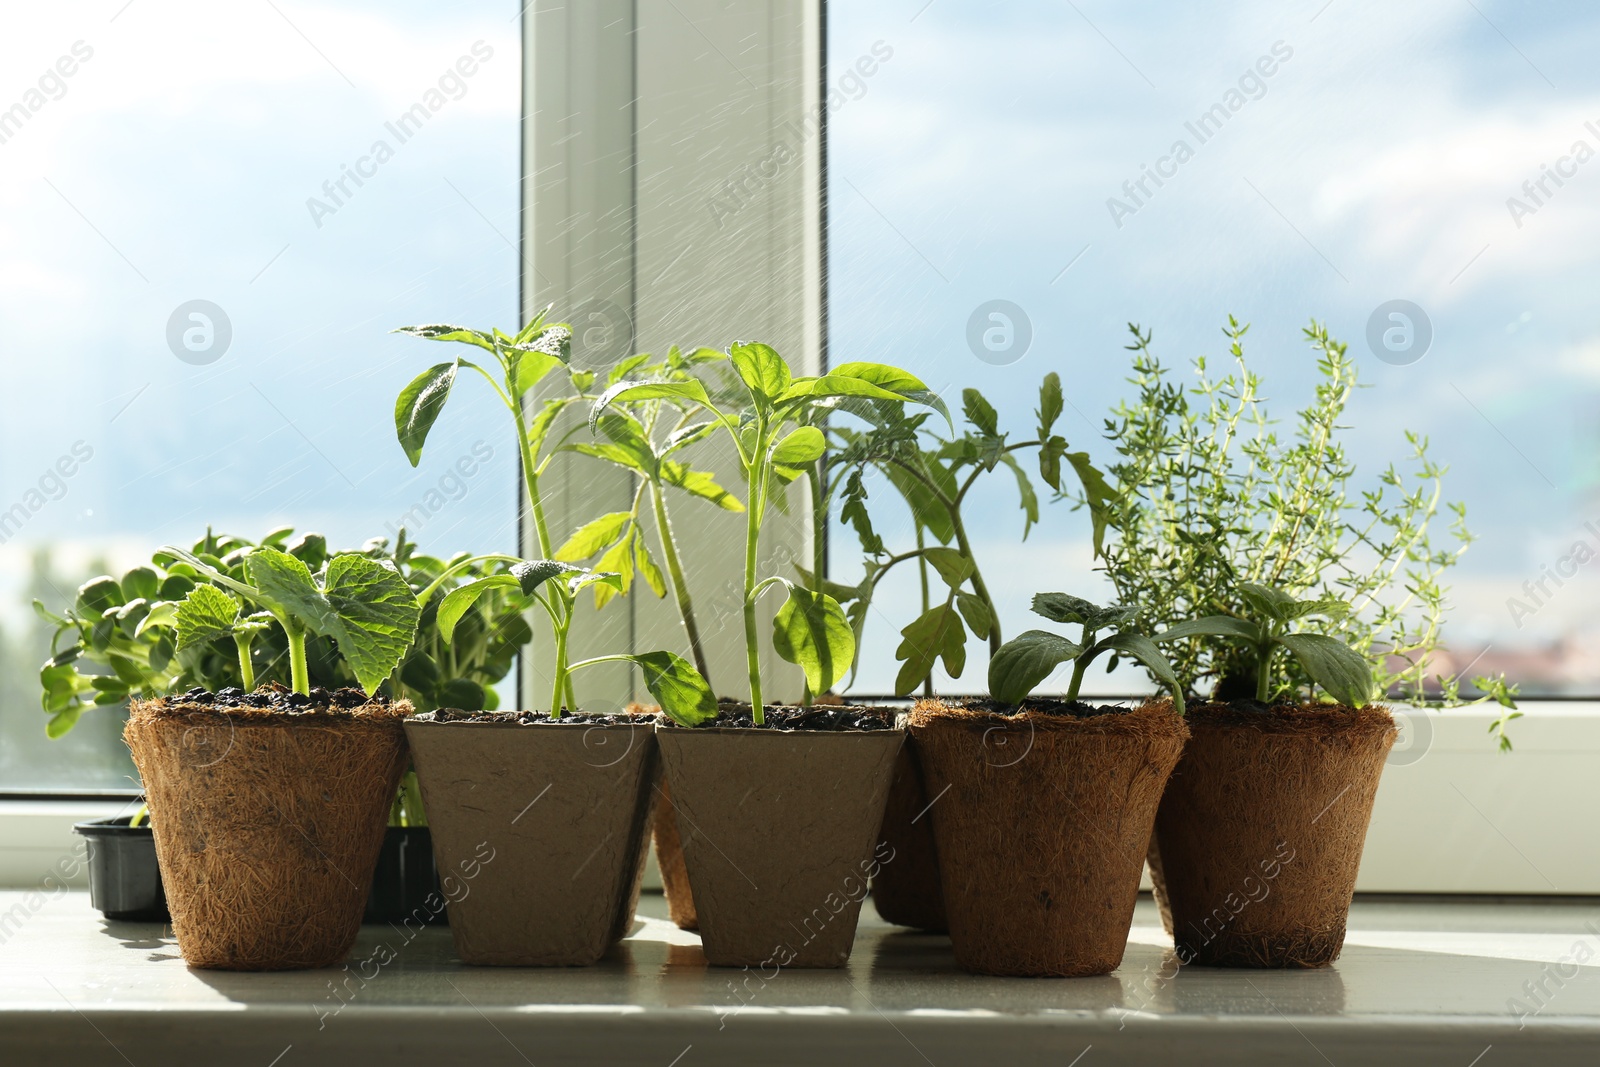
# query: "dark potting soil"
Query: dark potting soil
539,718
1076,708
274,698
828,717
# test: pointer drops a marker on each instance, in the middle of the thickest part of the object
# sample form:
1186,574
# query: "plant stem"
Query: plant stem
247,669
1263,672
819,542
977,581
680,588
562,685
922,573
757,480
299,673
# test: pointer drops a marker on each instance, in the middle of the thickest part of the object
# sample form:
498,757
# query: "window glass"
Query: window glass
1093,164
211,215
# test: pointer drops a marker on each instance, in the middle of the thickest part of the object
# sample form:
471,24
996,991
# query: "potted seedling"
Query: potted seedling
740,780
269,807
118,640
1045,806
1259,836
934,474
561,799
648,439
1210,497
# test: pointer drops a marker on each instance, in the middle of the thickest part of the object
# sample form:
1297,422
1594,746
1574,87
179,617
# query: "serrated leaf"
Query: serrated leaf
1050,404
690,390
418,406
594,536
1028,499
812,632
376,613
680,689
1025,661
618,560
936,634
206,614
444,332
627,433
698,483
647,567
979,412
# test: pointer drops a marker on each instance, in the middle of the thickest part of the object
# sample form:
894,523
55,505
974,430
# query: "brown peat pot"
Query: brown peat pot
1042,817
539,829
778,827
267,821
669,860
1259,837
907,891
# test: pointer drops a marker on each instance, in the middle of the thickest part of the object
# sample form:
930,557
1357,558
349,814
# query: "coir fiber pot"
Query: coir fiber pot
778,826
1041,822
669,847
907,892
268,821
539,829
1259,836
124,878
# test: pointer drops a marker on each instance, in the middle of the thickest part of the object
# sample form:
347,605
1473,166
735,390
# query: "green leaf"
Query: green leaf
1099,493
62,722
904,386
594,536
761,369
935,634
980,620
206,614
1062,607
952,566
286,582
588,578
1025,661
1334,665
680,689
1028,499
1275,604
98,594
457,602
532,573
442,332
690,390
421,672
627,433
463,693
1050,403
175,587
698,483
141,582
419,404
1212,626
618,561
685,436
811,631
1145,651
311,549
376,614
979,412
803,446
647,567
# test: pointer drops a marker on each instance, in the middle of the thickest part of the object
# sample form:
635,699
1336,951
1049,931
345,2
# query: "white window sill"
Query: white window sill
1419,983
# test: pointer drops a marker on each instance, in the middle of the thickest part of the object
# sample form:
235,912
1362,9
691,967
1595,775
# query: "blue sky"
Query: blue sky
1373,164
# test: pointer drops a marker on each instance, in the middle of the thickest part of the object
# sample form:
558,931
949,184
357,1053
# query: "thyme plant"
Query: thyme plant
1211,495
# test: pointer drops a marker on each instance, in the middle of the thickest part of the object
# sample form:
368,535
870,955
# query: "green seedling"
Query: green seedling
1029,658
774,430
